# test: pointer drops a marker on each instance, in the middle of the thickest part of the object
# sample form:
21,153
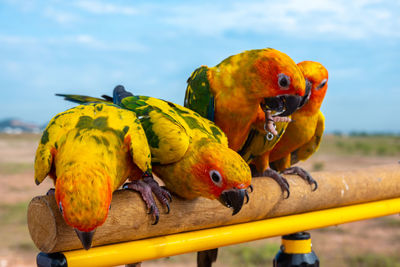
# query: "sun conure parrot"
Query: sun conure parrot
303,135
247,95
189,153
89,151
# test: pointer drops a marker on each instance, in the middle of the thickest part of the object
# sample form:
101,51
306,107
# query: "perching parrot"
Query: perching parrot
246,95
189,153
303,136
89,151
249,96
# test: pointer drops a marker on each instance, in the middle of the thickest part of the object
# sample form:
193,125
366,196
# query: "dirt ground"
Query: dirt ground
373,242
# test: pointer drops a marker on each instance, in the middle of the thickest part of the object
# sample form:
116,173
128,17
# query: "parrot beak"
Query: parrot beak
307,95
85,238
233,198
284,105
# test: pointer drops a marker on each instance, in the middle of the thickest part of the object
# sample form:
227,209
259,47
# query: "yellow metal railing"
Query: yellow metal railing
174,244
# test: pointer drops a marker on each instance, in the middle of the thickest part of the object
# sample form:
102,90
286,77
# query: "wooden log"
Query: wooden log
128,219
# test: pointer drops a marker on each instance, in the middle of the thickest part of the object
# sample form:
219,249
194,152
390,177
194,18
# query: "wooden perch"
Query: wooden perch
128,219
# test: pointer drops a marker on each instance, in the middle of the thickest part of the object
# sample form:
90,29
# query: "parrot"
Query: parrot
189,153
250,96
89,151
303,135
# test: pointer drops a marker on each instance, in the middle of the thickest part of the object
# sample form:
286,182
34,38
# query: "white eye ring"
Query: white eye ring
283,81
215,176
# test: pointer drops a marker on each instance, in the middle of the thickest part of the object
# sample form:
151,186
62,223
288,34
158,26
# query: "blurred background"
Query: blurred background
152,47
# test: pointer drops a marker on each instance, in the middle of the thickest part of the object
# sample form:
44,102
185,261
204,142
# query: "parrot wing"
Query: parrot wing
258,143
167,138
305,151
198,96
51,137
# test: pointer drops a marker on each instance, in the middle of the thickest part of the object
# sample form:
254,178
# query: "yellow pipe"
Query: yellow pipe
164,246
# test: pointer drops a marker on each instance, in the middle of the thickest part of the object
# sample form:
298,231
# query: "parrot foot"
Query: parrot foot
146,187
282,182
145,191
303,174
161,192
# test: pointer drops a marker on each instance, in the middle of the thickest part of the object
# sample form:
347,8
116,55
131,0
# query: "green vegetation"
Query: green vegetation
14,214
389,221
15,167
245,255
14,230
318,166
20,137
363,145
373,260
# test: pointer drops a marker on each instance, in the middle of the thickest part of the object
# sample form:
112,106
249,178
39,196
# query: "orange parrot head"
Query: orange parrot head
84,196
281,86
316,76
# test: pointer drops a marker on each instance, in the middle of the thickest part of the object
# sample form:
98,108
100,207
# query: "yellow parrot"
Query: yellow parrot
189,153
303,135
89,151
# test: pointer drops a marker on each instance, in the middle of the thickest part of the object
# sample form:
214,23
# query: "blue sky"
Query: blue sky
151,47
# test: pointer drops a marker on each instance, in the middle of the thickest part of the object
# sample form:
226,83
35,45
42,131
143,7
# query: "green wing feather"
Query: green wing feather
198,96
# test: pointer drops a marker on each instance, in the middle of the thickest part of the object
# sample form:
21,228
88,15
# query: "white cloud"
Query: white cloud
350,19
61,17
97,7
84,40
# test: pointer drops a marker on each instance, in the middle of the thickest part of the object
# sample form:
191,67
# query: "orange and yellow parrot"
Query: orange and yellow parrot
249,94
303,135
89,151
189,153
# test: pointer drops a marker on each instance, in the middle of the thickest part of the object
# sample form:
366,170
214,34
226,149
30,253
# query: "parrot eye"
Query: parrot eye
60,207
216,177
322,84
283,81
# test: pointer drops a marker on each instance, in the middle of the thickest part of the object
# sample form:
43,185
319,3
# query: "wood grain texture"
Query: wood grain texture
128,219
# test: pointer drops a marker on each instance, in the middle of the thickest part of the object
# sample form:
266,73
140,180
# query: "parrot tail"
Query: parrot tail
120,93
81,99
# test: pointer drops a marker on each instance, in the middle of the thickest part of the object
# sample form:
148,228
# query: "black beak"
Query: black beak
307,95
85,238
233,198
284,105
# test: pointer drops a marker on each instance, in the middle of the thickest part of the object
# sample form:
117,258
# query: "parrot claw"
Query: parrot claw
304,175
161,193
282,182
146,192
157,217
167,193
251,188
151,210
246,194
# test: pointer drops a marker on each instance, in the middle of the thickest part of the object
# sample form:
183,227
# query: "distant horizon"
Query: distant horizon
333,132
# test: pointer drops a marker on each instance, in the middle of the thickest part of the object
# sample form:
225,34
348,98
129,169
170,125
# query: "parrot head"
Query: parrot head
84,201
220,173
282,86
317,76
